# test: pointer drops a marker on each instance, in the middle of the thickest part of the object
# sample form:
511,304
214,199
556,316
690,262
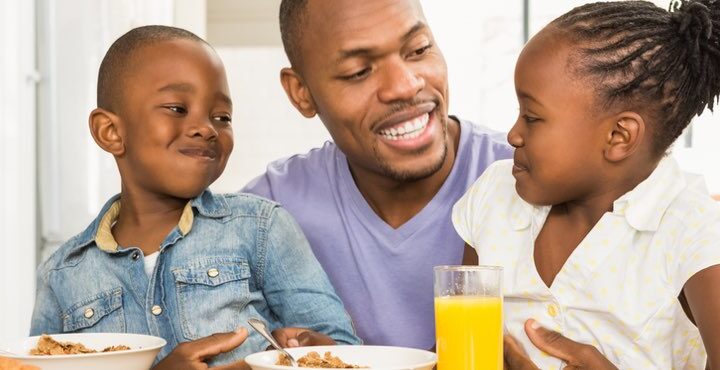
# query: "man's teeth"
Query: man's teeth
408,130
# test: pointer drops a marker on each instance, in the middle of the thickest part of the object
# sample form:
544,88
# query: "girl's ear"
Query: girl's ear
298,92
625,136
105,129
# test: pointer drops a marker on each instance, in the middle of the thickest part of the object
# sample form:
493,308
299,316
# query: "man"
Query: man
376,203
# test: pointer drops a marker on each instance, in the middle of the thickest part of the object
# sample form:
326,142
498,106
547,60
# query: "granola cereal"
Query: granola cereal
47,346
313,360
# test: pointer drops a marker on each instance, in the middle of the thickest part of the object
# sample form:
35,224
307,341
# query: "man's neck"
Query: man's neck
396,202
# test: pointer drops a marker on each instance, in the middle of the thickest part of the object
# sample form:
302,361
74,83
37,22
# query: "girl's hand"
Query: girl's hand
577,356
300,337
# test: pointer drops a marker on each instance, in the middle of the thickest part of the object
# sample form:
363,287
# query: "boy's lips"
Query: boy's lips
200,153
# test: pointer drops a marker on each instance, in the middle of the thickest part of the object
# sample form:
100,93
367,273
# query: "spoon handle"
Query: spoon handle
260,327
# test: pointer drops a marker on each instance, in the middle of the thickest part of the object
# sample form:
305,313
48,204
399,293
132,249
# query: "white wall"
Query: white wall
18,232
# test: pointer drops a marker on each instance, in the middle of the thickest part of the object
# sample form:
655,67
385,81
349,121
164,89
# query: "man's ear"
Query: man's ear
298,92
625,136
105,129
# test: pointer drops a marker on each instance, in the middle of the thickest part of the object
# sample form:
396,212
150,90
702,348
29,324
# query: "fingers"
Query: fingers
287,337
296,337
240,365
213,345
551,342
313,338
514,356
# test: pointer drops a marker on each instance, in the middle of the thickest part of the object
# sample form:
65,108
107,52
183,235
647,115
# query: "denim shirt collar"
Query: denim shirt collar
207,204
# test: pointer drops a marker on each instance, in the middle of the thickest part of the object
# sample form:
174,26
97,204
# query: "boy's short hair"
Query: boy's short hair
117,59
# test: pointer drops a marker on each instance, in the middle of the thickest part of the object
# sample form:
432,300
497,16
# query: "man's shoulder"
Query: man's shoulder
287,176
481,135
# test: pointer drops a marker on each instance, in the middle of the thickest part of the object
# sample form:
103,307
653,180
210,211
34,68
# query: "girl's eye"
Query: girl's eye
529,119
357,76
177,109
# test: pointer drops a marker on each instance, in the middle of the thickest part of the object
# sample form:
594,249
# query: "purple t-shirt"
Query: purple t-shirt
383,275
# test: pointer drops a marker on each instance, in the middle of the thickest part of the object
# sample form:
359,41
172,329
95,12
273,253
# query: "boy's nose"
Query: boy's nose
203,128
514,137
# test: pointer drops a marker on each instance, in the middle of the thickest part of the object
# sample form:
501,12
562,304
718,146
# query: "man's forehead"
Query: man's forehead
358,22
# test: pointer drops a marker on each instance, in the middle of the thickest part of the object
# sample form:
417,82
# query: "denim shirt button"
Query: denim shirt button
156,310
89,313
135,255
213,272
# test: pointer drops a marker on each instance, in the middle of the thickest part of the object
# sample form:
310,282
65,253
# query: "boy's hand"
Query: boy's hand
300,337
193,355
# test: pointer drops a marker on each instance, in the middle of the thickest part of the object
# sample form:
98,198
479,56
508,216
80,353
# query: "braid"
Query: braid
640,55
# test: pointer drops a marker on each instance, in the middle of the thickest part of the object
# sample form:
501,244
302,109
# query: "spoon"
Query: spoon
260,327
7,353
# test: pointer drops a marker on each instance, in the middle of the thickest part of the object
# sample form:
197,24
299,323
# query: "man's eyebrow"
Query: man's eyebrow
525,95
179,87
360,52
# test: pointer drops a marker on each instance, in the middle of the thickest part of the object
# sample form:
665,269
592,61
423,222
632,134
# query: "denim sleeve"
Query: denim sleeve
46,316
297,289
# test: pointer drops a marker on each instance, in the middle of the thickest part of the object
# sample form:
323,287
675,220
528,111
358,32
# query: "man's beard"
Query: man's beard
407,176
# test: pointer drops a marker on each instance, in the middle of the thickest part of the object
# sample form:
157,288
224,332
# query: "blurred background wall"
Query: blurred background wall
54,179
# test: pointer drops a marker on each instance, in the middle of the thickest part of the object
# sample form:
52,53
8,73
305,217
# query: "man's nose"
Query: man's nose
400,82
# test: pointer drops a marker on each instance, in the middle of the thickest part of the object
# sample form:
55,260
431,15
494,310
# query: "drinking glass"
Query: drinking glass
468,317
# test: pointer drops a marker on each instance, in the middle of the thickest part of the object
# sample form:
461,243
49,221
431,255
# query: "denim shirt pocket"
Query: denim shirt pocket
211,294
101,312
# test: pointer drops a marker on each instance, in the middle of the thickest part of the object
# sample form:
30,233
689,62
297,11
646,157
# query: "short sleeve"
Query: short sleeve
470,209
698,249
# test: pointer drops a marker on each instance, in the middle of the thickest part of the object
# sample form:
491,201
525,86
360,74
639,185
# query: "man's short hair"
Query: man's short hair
118,57
292,17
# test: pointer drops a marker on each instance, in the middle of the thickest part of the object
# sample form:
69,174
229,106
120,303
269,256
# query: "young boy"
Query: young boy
602,237
167,257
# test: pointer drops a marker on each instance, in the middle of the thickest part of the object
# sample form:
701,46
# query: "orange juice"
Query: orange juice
469,332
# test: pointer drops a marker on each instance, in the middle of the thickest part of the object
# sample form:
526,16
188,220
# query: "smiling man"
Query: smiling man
375,203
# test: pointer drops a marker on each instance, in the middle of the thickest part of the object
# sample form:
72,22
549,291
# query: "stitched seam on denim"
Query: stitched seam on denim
110,295
261,240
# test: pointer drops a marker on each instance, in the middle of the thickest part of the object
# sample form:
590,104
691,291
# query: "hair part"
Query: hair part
292,19
117,60
642,57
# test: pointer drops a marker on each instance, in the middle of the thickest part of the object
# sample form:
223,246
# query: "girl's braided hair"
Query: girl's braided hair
641,56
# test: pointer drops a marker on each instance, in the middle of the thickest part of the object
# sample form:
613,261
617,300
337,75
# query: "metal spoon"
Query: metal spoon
7,353
260,327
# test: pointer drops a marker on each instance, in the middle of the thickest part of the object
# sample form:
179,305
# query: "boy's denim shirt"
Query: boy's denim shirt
243,257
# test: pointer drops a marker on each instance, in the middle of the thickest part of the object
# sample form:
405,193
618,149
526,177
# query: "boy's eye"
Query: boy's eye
225,118
176,109
358,75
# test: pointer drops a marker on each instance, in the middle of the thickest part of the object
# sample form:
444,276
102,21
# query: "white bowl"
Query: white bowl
374,357
140,356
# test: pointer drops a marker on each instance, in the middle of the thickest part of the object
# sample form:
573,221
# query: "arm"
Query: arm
46,317
297,289
470,256
703,299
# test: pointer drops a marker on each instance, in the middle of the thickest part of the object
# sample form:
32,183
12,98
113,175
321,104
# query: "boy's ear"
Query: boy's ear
298,92
106,131
625,136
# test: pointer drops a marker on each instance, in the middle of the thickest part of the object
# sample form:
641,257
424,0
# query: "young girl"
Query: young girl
602,237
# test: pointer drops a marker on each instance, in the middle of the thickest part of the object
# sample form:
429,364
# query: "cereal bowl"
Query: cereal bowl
371,357
140,356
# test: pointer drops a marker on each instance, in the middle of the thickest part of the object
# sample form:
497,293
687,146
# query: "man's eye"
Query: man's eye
176,109
422,51
358,75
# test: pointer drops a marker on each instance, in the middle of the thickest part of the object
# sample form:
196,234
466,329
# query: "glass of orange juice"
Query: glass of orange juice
468,317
